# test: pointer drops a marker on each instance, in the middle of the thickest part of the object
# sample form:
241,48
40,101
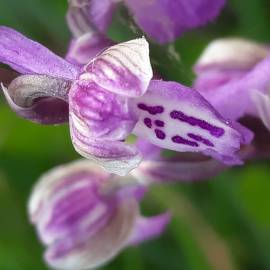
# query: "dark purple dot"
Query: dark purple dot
180,140
148,122
160,134
151,109
200,139
142,106
159,123
193,121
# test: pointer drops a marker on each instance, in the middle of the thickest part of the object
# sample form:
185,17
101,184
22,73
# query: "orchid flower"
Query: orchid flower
162,20
233,75
85,217
110,98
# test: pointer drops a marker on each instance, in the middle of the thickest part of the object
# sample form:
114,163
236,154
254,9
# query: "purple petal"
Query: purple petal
78,19
123,69
114,156
149,228
85,48
39,98
148,150
165,20
29,57
101,13
189,122
184,167
226,97
106,115
100,248
229,70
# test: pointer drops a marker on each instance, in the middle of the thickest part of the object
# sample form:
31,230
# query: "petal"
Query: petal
175,117
165,20
101,13
149,228
107,116
183,168
29,57
231,53
226,60
114,156
67,203
86,47
101,248
39,98
148,150
226,97
262,104
123,69
78,19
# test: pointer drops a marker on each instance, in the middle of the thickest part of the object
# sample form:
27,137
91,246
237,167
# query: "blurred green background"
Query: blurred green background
221,223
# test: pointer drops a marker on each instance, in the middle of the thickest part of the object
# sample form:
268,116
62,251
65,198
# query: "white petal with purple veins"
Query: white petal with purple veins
124,69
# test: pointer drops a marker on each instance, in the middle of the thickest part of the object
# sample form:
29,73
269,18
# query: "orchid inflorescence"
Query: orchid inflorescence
87,211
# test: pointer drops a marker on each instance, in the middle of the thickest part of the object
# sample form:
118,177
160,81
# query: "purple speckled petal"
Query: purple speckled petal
39,98
123,69
165,20
29,57
86,47
147,228
190,123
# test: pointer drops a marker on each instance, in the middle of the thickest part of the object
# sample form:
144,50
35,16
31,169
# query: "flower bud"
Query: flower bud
225,60
84,218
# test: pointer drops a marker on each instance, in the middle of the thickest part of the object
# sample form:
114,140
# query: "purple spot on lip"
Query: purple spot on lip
180,140
160,134
200,139
151,109
148,122
215,131
159,123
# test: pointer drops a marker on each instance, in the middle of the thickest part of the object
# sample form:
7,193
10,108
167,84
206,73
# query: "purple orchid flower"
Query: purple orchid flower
162,20
233,75
110,98
85,217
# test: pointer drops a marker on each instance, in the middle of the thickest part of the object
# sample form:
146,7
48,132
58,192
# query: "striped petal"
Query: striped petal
82,223
123,69
175,117
39,98
78,18
29,57
100,248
